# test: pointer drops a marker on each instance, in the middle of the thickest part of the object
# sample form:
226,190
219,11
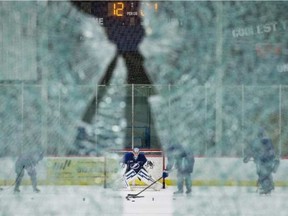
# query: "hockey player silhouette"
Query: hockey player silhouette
183,160
262,151
27,162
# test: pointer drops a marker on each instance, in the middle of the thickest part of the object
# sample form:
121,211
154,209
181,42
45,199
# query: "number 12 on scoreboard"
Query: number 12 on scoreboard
116,9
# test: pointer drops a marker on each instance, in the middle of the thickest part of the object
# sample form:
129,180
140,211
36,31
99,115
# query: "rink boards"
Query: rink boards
101,171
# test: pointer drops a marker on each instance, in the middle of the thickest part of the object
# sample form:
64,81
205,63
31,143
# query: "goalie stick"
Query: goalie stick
137,195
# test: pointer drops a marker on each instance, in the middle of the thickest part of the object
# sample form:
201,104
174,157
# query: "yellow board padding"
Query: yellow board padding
216,182
140,183
80,171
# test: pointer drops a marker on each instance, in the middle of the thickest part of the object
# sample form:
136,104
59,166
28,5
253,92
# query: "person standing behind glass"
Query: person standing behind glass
27,162
183,160
263,153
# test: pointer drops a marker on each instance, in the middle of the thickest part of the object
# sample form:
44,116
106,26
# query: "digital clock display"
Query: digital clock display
124,9
118,13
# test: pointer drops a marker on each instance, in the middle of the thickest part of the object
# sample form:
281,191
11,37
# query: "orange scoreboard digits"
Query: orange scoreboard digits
118,9
130,8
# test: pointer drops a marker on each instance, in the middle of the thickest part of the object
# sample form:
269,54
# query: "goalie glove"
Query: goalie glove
150,164
123,165
165,174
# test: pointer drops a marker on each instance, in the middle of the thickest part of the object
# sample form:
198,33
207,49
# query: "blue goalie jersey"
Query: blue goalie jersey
135,163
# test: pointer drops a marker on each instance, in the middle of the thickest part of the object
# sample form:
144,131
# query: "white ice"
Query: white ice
93,200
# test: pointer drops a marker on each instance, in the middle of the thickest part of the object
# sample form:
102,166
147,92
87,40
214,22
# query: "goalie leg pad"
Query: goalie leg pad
147,179
144,176
130,176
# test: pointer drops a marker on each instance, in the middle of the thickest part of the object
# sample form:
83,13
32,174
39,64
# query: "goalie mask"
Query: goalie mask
136,152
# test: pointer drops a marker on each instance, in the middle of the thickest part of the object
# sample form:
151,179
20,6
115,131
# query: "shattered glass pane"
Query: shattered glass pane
81,81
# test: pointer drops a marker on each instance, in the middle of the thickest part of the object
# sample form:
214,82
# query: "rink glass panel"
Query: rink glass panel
239,52
241,105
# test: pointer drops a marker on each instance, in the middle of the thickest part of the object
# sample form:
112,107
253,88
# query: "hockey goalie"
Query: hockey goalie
134,163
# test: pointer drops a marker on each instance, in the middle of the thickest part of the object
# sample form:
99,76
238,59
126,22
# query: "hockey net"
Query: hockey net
156,156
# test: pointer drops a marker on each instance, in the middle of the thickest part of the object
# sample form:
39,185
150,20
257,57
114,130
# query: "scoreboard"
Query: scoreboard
124,13
122,9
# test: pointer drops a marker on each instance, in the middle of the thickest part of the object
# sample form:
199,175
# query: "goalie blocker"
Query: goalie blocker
135,162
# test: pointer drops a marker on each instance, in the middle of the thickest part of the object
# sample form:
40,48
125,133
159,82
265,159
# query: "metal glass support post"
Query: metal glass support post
219,78
280,122
132,119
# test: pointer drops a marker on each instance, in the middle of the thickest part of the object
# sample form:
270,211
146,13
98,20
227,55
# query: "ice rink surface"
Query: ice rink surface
89,200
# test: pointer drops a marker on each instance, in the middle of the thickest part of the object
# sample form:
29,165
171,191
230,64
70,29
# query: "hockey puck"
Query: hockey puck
84,199
133,200
152,198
